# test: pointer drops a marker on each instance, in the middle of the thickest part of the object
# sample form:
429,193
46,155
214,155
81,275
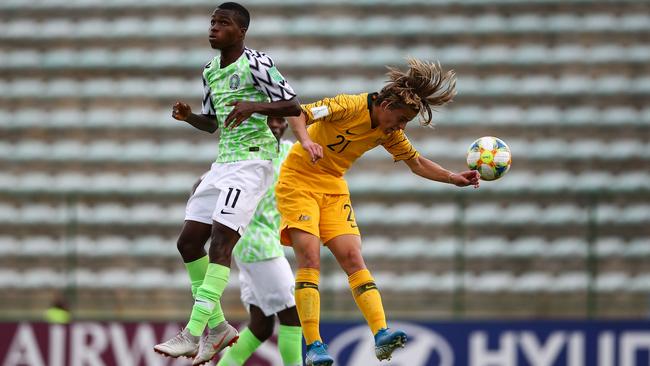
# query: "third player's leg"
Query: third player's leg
260,325
289,317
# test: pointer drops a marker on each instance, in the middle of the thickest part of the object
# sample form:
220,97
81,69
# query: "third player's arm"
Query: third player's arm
433,171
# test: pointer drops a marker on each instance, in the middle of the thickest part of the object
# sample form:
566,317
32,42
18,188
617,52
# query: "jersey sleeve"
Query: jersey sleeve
266,77
207,107
400,147
340,108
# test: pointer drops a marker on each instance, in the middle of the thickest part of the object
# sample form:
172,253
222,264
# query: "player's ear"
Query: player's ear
242,31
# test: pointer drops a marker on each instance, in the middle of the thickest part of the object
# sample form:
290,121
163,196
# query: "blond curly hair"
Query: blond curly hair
422,87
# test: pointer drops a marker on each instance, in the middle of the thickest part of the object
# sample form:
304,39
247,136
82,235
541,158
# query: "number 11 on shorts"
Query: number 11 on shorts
228,203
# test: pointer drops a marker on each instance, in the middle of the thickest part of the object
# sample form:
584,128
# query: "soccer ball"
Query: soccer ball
490,156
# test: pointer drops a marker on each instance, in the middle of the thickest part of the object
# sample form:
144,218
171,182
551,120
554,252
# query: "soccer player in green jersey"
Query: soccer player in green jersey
265,277
241,88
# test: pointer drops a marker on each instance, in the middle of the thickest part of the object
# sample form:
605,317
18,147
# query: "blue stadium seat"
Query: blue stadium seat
611,282
567,247
125,27
9,246
488,246
610,246
581,115
640,283
114,278
101,150
527,247
42,278
42,214
111,213
155,246
107,182
42,246
95,88
638,247
490,282
569,282
67,150
532,282
9,278
95,57
542,115
86,279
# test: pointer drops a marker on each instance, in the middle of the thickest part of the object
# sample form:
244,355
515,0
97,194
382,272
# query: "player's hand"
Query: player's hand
315,150
181,111
240,112
466,178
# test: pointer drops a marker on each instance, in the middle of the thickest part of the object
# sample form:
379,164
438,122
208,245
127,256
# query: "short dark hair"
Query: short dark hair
243,17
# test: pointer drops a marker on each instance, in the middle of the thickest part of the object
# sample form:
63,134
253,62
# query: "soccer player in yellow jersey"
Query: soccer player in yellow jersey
314,200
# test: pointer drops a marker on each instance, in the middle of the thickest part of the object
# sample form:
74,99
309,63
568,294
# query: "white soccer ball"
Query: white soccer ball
490,156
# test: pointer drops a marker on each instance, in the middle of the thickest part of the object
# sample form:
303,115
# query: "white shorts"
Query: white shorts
267,284
229,193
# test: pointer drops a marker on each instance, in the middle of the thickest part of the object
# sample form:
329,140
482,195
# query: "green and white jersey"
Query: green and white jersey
261,240
254,78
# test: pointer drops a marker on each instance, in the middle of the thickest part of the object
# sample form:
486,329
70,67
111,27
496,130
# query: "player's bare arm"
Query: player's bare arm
242,110
299,127
183,112
433,171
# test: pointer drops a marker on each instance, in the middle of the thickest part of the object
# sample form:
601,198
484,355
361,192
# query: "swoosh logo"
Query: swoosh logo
227,213
349,133
216,346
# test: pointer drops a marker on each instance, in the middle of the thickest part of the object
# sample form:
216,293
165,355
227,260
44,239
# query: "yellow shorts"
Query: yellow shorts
324,215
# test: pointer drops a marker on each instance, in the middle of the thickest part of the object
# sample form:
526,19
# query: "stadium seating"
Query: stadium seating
95,172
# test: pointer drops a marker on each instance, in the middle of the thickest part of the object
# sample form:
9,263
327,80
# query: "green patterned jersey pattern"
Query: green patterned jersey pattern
261,240
254,78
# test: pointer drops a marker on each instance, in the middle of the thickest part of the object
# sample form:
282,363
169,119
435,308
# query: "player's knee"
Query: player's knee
289,317
221,252
222,242
352,261
263,329
189,249
183,246
309,261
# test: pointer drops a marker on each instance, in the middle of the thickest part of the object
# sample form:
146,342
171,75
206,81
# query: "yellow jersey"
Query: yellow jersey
342,126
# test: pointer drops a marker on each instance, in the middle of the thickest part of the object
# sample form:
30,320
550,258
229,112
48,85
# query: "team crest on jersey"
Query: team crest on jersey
234,82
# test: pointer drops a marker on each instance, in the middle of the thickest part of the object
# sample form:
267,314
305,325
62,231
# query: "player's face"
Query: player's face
277,125
224,30
390,119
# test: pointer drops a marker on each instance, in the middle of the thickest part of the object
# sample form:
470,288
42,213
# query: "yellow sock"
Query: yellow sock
368,299
308,303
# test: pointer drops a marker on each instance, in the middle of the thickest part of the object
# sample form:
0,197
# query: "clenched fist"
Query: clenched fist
181,111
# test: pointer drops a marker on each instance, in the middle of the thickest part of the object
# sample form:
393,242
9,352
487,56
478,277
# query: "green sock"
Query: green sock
290,345
208,298
238,353
196,269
